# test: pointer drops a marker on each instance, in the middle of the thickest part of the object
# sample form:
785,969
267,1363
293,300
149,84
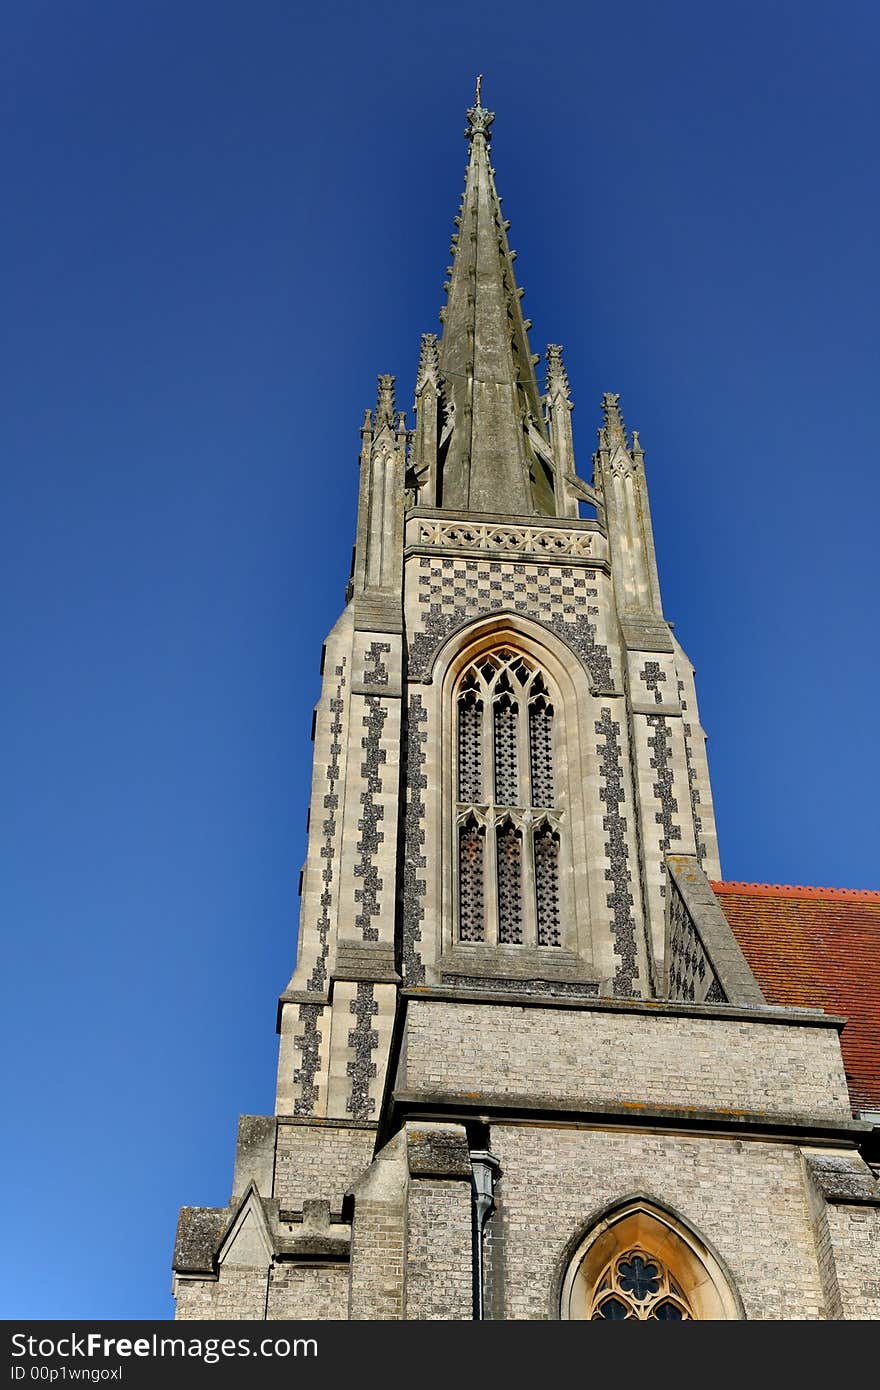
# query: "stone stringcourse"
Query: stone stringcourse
458,535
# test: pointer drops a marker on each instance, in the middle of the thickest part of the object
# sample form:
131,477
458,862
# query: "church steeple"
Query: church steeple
495,456
509,837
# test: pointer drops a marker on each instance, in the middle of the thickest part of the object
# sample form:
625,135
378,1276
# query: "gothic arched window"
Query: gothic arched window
643,1264
508,822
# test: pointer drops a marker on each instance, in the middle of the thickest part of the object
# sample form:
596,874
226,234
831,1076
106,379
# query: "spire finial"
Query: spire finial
615,431
429,363
557,376
479,119
385,403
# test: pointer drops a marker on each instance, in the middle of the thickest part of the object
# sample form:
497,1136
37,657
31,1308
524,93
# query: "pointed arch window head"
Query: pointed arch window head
641,1263
509,824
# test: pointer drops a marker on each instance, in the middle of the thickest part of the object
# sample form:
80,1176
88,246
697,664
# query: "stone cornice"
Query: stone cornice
523,1109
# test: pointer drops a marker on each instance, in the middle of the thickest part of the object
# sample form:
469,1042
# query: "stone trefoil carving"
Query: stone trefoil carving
479,536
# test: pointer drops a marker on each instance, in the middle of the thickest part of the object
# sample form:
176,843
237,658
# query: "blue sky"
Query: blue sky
221,222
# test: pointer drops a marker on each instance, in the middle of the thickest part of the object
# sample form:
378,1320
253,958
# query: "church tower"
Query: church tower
525,1070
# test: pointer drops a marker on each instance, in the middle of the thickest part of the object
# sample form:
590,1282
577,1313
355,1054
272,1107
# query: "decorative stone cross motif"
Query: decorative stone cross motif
652,675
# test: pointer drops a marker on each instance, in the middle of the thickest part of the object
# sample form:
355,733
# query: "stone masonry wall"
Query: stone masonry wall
238,1294
293,1291
825,1257
194,1299
699,785
438,1251
319,903
319,1162
855,1240
747,1199
594,1058
377,1261
308,1291
443,591
660,764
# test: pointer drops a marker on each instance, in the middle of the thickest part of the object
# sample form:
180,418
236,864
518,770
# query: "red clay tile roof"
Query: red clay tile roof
818,948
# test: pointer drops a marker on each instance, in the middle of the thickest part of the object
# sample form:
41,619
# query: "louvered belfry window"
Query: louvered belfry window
508,823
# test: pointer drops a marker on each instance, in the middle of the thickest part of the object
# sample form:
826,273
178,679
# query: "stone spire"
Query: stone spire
558,418
613,431
493,459
385,412
619,479
422,475
429,364
557,376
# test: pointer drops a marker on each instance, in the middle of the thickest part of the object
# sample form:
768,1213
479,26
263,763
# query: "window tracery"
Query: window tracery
509,861
470,717
546,843
637,1287
508,817
470,873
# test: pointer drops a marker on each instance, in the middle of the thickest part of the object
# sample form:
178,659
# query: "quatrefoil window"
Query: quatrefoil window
637,1277
637,1287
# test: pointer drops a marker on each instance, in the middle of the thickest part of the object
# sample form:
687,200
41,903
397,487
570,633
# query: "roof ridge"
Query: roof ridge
795,890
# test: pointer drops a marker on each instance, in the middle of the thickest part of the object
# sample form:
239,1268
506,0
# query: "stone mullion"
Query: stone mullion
530,902
490,853
488,749
529,886
523,752
490,896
